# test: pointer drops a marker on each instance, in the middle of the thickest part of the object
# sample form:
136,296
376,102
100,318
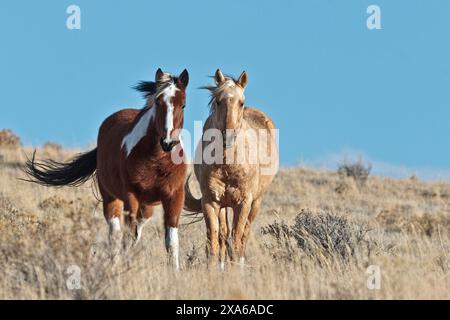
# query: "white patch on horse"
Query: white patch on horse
181,143
168,94
140,225
114,224
172,246
139,131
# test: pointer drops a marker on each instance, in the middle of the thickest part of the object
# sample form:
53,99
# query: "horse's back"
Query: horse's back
121,119
269,165
109,153
258,119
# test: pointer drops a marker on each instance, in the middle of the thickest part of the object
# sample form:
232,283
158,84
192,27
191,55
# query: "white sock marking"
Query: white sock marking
172,245
140,226
114,225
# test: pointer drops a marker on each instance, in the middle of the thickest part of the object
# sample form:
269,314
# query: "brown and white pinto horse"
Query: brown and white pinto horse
133,161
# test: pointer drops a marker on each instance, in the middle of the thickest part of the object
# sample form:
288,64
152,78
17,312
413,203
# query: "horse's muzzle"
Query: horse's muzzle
167,146
229,137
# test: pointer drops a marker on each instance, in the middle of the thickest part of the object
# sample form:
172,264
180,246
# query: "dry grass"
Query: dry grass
9,140
315,237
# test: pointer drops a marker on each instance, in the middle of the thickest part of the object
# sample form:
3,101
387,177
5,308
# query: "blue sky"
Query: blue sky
331,85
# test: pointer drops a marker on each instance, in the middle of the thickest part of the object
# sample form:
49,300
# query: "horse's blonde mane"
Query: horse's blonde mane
218,91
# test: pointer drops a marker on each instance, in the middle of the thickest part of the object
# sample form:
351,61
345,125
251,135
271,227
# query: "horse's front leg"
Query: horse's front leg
211,211
252,215
240,219
172,209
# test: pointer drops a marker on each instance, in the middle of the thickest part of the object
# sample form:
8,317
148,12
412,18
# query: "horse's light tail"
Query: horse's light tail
53,173
190,202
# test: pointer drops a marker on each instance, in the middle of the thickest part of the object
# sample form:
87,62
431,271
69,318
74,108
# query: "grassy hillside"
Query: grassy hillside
315,237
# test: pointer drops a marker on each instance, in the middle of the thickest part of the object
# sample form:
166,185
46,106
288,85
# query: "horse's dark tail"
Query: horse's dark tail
72,173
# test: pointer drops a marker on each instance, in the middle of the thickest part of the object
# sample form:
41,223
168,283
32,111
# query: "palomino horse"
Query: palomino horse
232,180
133,161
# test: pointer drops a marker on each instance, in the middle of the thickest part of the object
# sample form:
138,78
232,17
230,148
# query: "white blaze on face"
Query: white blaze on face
168,94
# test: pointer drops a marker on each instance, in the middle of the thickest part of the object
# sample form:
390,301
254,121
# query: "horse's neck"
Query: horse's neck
213,119
148,144
236,147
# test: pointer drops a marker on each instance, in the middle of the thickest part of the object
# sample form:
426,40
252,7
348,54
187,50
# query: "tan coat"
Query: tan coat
237,182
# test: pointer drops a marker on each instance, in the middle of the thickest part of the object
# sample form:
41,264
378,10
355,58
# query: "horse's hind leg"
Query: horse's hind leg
172,209
144,215
112,210
223,236
132,205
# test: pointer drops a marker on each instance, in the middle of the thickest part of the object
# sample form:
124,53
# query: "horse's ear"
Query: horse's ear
219,77
159,74
184,78
243,80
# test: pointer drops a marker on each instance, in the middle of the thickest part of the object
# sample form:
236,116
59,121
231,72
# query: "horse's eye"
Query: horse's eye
242,104
184,106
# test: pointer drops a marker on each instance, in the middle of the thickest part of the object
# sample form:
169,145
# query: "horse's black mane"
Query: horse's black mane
149,88
146,87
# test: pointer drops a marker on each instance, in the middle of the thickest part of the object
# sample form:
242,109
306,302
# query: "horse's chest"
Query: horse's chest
229,188
156,176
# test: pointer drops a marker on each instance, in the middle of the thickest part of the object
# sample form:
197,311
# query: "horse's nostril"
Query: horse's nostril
166,146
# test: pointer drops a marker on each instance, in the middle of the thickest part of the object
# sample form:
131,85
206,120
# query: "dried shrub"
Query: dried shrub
15,220
52,146
429,225
358,171
319,235
8,139
52,150
284,247
394,220
193,258
54,202
345,187
327,232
